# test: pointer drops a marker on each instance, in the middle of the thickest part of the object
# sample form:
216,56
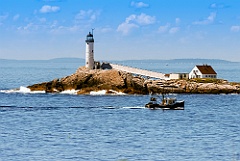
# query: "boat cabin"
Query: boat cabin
169,101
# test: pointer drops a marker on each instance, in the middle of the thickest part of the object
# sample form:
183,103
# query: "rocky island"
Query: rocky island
93,77
114,81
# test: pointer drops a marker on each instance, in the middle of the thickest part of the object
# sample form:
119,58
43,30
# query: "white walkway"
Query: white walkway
138,71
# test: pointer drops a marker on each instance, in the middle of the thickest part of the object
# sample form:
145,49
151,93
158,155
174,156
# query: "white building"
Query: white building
176,76
202,71
89,60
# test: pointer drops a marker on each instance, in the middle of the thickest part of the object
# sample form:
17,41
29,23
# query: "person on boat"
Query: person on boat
164,102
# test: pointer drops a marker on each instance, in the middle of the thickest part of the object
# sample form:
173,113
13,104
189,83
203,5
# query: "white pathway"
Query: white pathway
138,71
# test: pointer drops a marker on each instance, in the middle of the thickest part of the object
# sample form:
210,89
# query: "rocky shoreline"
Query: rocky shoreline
84,81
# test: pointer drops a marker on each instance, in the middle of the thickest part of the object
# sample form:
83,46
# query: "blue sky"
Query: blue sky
124,29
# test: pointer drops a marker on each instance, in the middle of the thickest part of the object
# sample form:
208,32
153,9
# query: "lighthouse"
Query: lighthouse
89,51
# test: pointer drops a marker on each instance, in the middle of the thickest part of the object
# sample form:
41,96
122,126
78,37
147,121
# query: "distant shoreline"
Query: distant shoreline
73,59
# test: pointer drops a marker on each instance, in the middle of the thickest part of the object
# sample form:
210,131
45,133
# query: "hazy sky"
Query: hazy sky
124,29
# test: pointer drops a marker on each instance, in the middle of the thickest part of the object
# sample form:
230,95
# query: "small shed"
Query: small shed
176,76
202,71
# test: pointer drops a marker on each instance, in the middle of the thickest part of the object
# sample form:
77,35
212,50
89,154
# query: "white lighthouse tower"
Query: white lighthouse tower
89,51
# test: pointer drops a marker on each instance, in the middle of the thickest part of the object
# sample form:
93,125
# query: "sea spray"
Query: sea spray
22,89
74,92
106,92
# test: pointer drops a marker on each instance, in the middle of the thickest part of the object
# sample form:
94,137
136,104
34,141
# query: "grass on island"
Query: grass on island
207,80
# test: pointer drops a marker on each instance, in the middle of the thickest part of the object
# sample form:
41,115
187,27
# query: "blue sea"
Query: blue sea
40,126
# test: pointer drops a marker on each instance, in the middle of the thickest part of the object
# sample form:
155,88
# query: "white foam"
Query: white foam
117,93
72,91
6,91
22,89
104,92
137,107
110,107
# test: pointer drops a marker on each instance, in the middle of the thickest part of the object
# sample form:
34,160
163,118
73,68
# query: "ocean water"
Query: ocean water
39,126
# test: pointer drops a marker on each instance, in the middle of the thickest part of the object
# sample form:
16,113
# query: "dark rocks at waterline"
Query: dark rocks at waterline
85,81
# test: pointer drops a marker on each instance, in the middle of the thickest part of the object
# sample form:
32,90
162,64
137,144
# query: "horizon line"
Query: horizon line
4,59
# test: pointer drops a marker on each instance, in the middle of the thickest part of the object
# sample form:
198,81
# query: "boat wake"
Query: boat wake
137,107
13,107
133,107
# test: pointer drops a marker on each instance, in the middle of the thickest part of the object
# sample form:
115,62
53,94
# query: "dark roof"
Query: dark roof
206,69
89,37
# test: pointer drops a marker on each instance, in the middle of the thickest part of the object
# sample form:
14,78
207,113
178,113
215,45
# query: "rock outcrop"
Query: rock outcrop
192,86
85,81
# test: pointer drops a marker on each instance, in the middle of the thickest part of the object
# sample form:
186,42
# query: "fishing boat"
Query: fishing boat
166,104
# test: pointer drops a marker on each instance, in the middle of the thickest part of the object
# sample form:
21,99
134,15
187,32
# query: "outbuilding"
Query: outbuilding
176,76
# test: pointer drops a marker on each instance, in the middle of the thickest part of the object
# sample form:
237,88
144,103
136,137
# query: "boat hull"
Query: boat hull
179,105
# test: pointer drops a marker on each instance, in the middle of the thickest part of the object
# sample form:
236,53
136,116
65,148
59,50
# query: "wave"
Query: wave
26,90
22,89
106,92
72,91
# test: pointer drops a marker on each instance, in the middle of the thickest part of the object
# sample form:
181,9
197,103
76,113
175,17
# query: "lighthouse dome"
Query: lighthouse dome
89,37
